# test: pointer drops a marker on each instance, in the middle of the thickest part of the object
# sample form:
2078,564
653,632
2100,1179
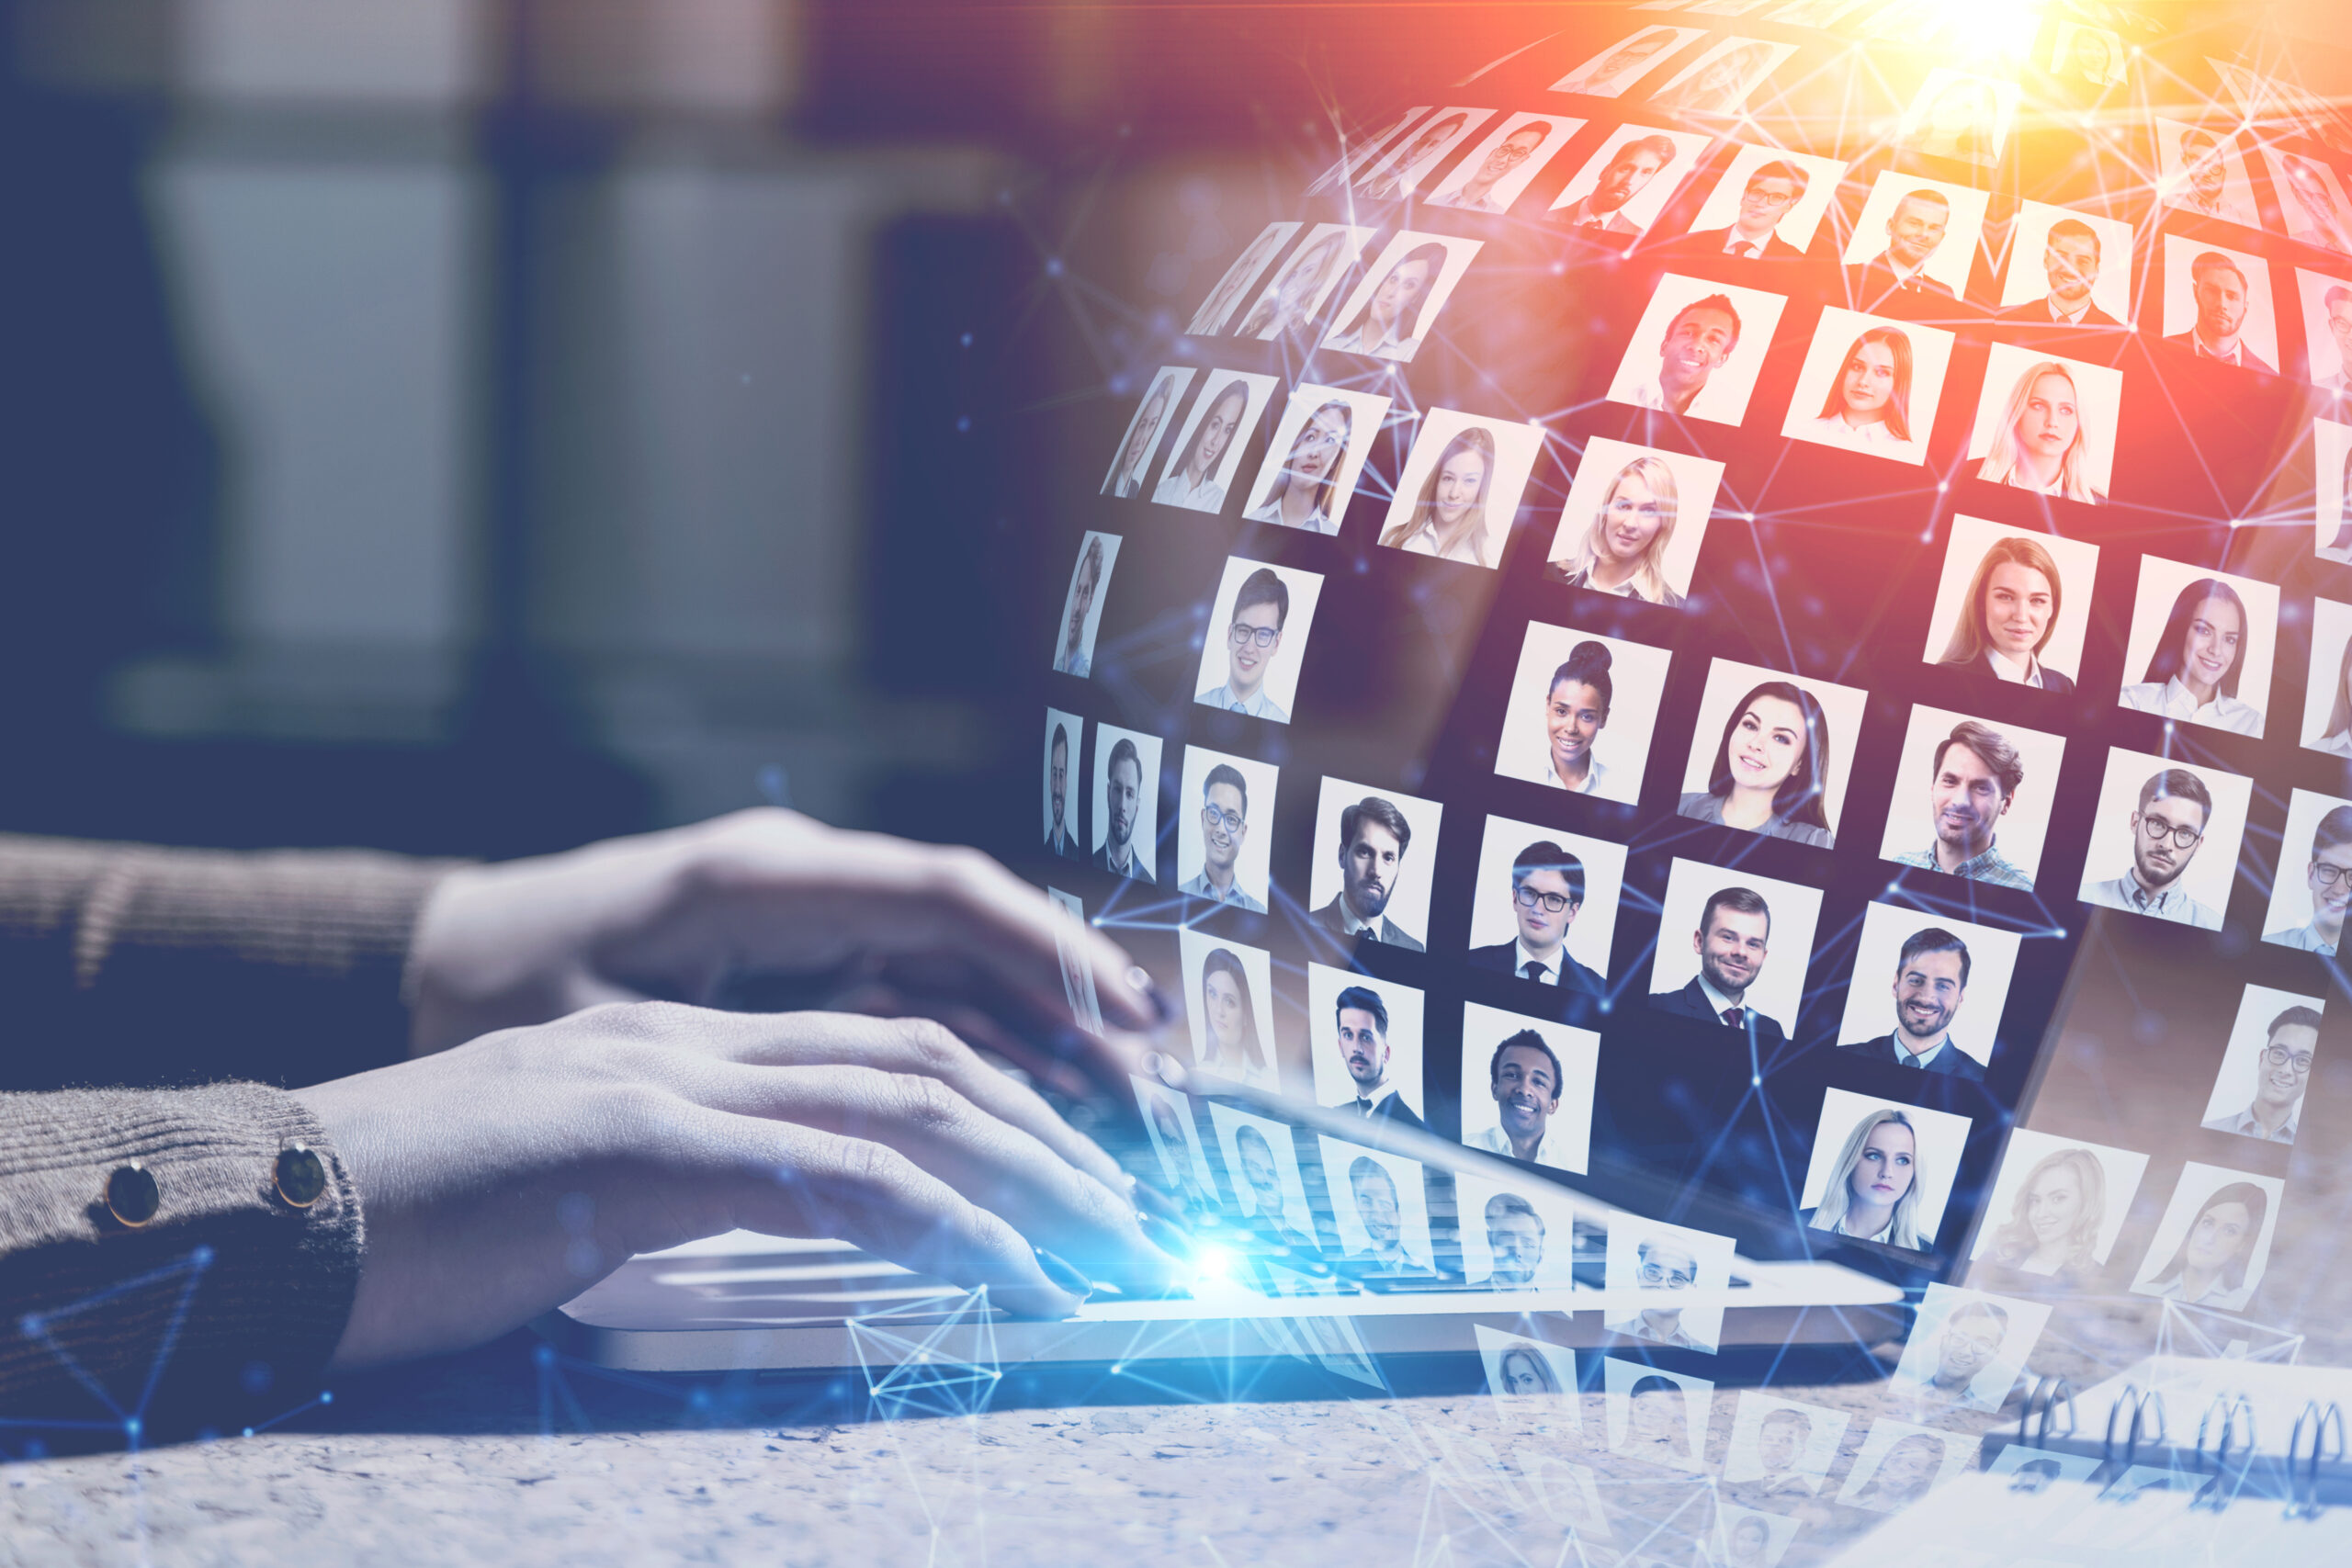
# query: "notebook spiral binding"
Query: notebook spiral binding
2311,1475
2304,1471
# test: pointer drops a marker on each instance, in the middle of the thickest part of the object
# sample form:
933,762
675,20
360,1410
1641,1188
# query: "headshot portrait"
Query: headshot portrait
1526,1092
2315,883
2265,1066
1296,296
1655,1415
1581,711
2201,171
2327,694
2046,424
2001,604
1176,1139
1224,829
1065,739
1968,1349
1749,1537
1881,1171
1900,1463
2327,334
1972,798
1720,81
1697,350
1373,852
1090,580
1400,173
1126,813
2057,1206
1379,1207
1496,172
1356,155
1131,469
1626,182
2202,646
1207,453
2093,57
2213,1243
1869,385
1256,638
1077,978
2218,305
1519,1368
2311,199
1768,204
1915,237
1364,1036
1928,991
2165,839
1314,458
1627,61
1666,1283
1634,522
1239,278
1546,908
1460,487
1515,1236
1395,303
2066,269
1959,117
1781,1448
1230,1005
1742,966
1771,753
1269,1194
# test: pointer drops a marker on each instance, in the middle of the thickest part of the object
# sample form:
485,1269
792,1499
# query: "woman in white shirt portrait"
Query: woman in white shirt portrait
2209,1266
1192,484
1869,405
2039,445
1576,709
1449,516
1623,551
1285,305
1229,1042
2055,1219
1390,325
1301,495
2193,674
2335,739
2011,614
1873,1192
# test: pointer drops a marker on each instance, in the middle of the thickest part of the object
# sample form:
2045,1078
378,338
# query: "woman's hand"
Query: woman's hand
768,907
503,1178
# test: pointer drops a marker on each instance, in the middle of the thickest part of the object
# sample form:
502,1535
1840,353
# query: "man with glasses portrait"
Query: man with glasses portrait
2328,875
1252,639
1547,893
2166,832
1666,1264
2280,1075
1225,822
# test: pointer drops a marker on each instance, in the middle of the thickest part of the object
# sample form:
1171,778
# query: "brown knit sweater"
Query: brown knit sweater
160,978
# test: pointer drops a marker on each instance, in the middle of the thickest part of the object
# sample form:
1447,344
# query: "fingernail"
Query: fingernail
1062,1274
1156,1202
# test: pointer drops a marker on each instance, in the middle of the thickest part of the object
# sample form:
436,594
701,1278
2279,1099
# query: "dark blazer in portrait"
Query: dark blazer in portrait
2052,682
1392,934
1692,1002
1069,850
1391,1108
1873,283
2247,359
1951,1061
1711,242
1503,955
2036,313
1138,866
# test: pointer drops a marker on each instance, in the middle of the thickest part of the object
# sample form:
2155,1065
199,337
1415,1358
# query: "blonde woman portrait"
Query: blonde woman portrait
1873,1192
2040,443
2054,1223
1449,516
1624,550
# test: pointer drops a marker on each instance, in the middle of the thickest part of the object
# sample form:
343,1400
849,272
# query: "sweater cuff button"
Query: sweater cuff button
132,1197
301,1176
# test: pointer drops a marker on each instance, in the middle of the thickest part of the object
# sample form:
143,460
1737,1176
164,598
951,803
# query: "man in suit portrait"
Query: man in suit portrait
1636,163
1547,893
1930,982
1771,191
1915,232
1362,1019
1061,838
1374,1192
1515,1238
2221,293
2070,259
1733,940
1122,796
1373,837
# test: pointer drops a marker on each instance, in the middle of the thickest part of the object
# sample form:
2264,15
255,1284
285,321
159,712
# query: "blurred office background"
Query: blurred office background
476,425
